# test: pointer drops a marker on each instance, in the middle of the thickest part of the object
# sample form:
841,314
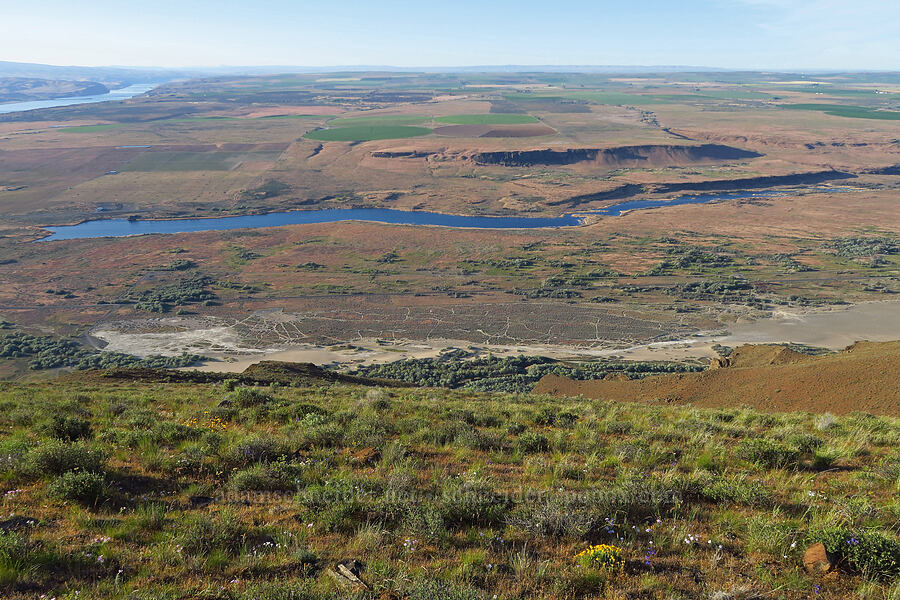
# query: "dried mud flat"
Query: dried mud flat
834,329
395,333
350,320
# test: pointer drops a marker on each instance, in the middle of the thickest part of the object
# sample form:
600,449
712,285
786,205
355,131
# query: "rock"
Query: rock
17,523
346,573
200,501
720,363
817,560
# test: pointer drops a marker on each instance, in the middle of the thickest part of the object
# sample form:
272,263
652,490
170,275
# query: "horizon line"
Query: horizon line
451,68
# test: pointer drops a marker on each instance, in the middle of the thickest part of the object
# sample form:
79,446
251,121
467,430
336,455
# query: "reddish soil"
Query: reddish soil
864,377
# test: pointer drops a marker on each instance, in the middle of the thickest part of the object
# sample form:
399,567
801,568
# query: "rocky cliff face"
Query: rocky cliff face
621,156
728,185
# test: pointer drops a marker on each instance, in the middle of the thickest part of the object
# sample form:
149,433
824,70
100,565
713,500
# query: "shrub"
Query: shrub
14,563
603,557
78,486
430,589
247,397
556,516
530,442
256,449
469,437
68,429
55,458
274,477
873,554
426,521
805,442
735,490
472,504
202,535
768,453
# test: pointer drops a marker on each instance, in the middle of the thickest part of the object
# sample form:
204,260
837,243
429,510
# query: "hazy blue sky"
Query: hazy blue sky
775,34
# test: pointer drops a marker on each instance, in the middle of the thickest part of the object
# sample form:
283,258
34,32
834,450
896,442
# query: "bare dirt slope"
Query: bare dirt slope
863,377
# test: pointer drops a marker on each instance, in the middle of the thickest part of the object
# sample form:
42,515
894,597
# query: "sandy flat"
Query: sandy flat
834,328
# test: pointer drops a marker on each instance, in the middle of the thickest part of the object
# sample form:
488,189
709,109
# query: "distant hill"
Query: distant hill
863,377
20,89
112,77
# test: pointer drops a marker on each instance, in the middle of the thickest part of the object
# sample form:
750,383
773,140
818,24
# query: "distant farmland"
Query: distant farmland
195,161
488,119
379,121
364,133
853,112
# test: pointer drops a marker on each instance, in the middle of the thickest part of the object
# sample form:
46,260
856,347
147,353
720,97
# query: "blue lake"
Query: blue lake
119,94
618,209
124,227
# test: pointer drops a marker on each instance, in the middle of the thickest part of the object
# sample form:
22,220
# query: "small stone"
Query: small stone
817,560
17,524
200,501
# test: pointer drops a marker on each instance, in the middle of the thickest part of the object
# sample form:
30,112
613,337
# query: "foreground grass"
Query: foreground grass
114,489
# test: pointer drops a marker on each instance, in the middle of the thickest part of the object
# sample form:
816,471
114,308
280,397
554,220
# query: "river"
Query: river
119,94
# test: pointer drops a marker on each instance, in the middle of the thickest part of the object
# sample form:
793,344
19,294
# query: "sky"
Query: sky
734,34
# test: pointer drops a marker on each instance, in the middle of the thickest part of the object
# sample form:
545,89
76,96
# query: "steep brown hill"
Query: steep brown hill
863,377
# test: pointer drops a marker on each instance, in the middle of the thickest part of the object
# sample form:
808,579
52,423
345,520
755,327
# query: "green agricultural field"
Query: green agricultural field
364,133
489,119
379,121
853,112
592,96
194,161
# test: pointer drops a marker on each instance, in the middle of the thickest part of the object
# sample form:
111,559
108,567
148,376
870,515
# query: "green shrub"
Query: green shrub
201,535
14,563
248,397
768,453
463,505
805,442
339,505
530,442
735,490
68,429
425,521
870,553
273,477
432,589
55,458
26,563
256,449
469,437
79,486
557,516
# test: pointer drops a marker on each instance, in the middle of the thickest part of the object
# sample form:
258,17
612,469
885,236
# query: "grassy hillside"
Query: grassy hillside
861,378
118,488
